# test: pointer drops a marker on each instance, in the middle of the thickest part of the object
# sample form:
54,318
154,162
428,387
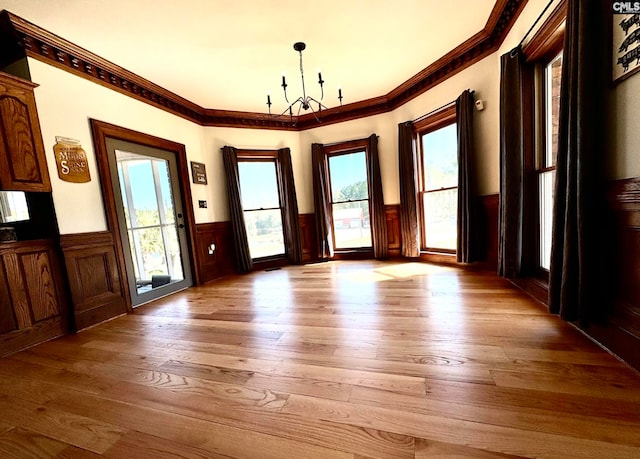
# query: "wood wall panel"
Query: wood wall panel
219,262
308,237
40,285
394,238
621,333
7,317
489,213
96,288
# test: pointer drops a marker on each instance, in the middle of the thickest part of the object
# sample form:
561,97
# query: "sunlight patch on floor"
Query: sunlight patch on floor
410,269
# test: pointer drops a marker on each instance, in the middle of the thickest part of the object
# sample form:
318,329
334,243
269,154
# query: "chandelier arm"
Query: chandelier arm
319,102
315,115
291,105
285,93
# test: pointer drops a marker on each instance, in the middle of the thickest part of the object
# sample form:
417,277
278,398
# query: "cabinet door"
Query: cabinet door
23,163
34,309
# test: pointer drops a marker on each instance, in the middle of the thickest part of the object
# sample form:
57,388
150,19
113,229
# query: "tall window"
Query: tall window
439,182
261,204
548,74
349,186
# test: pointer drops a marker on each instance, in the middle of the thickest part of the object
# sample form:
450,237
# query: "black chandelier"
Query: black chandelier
303,102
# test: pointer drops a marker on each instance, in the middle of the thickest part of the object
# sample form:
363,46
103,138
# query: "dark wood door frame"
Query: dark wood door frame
100,131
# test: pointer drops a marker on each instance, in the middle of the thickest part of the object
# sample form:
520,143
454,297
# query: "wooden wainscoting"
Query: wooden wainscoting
308,238
622,332
392,215
489,208
94,281
212,264
487,225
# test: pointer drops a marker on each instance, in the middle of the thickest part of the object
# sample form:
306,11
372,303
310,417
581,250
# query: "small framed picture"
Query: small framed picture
199,173
626,39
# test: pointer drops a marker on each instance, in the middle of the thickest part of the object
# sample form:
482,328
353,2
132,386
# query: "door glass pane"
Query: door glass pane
166,198
151,256
151,222
441,215
545,189
348,177
264,231
258,185
351,225
143,192
440,158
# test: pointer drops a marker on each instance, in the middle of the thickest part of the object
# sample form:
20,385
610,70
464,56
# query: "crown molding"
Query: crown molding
49,48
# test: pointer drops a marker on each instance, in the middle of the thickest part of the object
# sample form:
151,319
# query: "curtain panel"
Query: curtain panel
576,277
243,260
321,202
291,221
512,161
408,168
378,217
468,231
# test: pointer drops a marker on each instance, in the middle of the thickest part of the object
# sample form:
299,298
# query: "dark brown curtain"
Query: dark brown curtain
575,283
291,223
512,161
240,243
378,217
321,201
408,166
468,230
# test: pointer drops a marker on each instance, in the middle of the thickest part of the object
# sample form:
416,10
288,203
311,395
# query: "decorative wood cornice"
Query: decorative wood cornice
54,50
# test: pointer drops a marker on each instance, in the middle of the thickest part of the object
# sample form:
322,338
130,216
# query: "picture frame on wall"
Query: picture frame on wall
626,39
199,173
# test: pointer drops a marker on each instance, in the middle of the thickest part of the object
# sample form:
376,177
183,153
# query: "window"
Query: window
347,171
438,140
261,205
549,74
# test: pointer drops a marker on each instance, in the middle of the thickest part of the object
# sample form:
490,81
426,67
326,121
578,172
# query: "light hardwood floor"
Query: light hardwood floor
332,360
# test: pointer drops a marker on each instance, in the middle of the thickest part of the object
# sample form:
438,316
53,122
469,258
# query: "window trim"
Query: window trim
339,149
545,45
441,119
244,155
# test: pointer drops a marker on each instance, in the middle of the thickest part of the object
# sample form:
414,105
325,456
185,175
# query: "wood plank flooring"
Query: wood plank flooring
354,360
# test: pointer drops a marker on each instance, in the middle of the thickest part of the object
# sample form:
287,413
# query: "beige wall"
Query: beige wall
66,102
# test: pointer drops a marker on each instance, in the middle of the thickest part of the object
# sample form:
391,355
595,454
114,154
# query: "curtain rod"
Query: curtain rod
436,110
535,23
346,141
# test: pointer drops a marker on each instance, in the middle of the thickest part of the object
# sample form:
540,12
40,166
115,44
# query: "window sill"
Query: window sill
438,257
353,254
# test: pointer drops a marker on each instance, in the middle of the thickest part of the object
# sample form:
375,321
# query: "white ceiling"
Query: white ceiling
228,54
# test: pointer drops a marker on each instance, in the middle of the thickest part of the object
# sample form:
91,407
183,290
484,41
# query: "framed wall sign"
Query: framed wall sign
198,172
626,39
71,160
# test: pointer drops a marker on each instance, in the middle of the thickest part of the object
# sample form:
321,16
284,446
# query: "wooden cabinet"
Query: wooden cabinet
32,307
23,165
